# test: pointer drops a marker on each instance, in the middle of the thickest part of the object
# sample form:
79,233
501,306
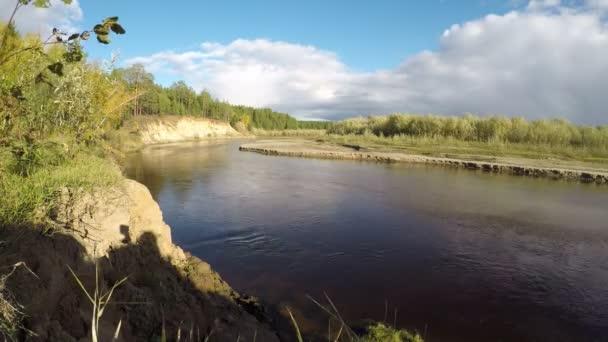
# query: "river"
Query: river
454,254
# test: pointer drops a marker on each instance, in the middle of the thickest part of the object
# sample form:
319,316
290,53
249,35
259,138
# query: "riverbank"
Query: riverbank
84,215
138,132
119,233
514,166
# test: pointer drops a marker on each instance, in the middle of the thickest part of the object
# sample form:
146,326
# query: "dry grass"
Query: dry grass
289,132
11,312
451,147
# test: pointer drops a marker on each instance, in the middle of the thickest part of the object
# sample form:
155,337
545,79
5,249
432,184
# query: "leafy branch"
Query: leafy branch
70,41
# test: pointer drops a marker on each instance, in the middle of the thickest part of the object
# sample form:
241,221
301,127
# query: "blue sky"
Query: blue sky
335,59
366,35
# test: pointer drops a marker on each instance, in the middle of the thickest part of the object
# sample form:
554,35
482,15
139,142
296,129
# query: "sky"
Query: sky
335,59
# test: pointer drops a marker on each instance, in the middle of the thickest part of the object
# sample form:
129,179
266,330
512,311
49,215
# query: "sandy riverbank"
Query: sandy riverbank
521,167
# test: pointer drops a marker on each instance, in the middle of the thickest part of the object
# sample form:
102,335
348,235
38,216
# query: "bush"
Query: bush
493,129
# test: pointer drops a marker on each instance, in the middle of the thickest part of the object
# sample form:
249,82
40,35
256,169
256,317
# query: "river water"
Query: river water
453,254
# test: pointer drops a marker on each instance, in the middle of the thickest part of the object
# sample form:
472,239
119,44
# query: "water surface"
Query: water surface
454,254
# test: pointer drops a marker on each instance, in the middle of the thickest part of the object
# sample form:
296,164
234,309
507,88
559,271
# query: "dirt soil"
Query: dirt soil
122,232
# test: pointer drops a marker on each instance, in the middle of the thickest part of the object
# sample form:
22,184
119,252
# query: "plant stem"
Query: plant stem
10,22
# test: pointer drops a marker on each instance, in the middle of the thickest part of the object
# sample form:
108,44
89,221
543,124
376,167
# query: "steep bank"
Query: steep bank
312,149
122,230
167,129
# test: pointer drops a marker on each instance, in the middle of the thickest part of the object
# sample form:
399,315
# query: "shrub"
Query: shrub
556,132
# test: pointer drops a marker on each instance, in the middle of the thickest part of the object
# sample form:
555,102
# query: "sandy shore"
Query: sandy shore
313,149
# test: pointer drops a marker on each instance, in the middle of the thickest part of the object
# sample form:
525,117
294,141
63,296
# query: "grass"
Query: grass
377,332
11,312
100,301
382,333
30,200
446,147
288,132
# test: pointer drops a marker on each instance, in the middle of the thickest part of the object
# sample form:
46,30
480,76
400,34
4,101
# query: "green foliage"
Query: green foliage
555,132
54,112
55,92
42,3
27,157
181,99
30,200
381,333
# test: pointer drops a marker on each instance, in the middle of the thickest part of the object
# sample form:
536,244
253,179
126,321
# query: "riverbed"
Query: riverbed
454,254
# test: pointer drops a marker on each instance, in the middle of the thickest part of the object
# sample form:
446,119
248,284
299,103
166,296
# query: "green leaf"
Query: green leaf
56,68
74,54
110,20
100,29
118,29
74,36
103,38
42,3
67,2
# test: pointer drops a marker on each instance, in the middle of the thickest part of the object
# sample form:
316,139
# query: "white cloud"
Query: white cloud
597,4
30,19
545,60
536,5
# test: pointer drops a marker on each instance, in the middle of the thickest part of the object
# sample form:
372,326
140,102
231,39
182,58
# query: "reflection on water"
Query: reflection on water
461,255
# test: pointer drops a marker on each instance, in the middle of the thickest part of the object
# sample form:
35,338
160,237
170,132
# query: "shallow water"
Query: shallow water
454,254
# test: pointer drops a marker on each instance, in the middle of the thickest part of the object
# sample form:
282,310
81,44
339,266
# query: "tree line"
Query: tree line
181,99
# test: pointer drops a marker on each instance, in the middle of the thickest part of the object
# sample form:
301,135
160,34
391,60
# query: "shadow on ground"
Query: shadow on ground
190,297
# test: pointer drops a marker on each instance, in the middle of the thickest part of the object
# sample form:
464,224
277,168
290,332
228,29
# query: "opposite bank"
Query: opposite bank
311,149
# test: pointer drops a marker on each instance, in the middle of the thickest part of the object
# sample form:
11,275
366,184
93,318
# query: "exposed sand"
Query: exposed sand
523,167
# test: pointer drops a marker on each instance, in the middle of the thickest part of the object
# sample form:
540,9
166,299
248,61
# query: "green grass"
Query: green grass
376,332
29,200
383,333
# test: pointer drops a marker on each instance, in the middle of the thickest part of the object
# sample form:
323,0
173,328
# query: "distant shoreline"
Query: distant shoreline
313,149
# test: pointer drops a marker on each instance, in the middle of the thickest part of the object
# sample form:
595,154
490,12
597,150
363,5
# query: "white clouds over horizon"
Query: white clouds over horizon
546,60
30,19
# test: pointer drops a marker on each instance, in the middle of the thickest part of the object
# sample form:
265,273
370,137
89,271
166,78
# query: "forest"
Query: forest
181,99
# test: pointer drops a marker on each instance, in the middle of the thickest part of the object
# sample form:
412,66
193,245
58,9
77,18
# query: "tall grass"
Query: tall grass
553,132
30,199
377,332
100,300
451,147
